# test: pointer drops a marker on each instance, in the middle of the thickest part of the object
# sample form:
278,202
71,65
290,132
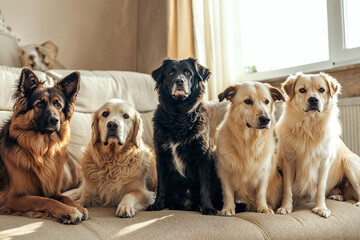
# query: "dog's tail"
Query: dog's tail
71,176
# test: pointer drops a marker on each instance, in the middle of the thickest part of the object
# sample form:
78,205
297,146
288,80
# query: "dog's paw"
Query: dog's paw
265,209
84,212
155,207
209,211
125,211
73,216
323,212
357,204
227,211
337,197
284,210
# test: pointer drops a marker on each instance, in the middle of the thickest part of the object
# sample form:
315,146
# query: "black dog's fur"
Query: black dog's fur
181,123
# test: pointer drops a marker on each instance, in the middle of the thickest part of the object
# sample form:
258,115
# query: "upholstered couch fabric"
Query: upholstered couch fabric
100,86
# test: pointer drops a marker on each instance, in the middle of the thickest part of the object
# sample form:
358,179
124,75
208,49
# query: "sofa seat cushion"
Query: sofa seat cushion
301,224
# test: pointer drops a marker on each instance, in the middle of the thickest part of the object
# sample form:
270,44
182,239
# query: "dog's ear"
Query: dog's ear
157,73
52,48
202,72
229,93
70,86
28,82
21,52
333,85
95,128
138,130
289,85
276,93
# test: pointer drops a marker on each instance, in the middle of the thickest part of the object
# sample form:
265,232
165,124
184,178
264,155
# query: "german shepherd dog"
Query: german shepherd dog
33,151
181,136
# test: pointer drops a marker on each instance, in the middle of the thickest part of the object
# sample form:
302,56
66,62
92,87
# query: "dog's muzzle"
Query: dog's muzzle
112,133
313,104
52,124
179,88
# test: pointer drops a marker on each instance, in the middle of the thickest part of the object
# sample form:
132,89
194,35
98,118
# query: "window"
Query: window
351,18
281,37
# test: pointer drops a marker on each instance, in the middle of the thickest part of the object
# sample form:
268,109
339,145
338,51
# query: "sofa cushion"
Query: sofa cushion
301,224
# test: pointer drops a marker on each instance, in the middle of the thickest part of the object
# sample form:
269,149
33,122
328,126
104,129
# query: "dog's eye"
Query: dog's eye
105,114
266,101
171,73
125,116
187,73
47,64
248,101
57,105
321,90
302,90
40,105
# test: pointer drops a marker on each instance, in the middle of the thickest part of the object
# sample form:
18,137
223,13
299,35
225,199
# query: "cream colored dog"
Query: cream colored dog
246,146
118,168
314,159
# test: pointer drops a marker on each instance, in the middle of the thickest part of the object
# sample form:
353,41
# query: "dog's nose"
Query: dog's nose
264,120
313,100
179,81
53,120
112,125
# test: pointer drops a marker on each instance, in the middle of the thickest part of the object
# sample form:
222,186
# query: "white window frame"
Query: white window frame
338,55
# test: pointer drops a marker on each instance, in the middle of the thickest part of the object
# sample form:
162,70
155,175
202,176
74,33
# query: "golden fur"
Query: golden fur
314,159
245,154
114,175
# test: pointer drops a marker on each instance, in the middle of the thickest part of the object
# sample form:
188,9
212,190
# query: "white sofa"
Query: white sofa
96,88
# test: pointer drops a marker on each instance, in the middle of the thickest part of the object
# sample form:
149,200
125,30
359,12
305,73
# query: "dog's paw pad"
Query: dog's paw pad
337,197
323,212
125,211
227,212
357,204
284,210
265,210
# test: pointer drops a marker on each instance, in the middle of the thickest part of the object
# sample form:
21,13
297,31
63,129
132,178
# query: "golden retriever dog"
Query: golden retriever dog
246,147
315,161
118,168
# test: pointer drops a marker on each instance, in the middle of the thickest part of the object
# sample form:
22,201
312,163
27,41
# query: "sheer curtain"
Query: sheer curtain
217,42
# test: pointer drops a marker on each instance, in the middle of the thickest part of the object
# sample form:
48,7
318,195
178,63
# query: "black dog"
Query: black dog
186,175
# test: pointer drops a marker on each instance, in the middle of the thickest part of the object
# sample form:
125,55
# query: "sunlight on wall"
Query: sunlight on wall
137,226
23,230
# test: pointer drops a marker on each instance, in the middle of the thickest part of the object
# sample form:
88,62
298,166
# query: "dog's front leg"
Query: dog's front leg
228,195
163,174
320,206
261,203
288,172
60,211
133,202
205,171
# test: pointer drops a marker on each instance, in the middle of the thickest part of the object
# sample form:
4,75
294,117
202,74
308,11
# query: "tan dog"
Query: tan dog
313,157
246,146
118,168
39,57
